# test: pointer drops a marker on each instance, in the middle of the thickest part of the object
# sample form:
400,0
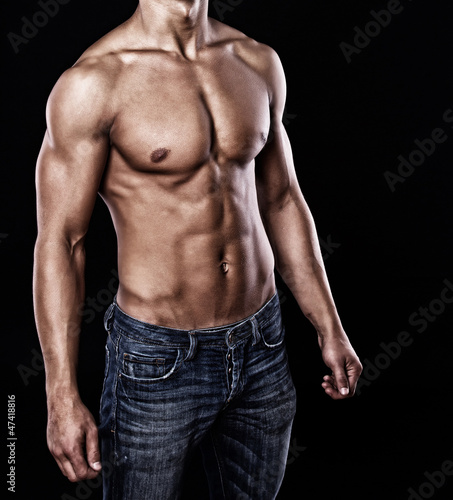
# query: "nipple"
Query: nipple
159,154
224,267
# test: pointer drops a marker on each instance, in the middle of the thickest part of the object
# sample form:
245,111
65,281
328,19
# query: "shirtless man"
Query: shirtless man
167,117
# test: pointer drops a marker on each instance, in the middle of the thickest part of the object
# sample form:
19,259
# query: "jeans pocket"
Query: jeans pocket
145,364
273,334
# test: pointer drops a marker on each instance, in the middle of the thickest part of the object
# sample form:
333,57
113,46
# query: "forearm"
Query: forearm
58,293
292,234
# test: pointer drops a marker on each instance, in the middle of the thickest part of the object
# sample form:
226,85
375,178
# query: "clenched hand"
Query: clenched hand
340,357
72,437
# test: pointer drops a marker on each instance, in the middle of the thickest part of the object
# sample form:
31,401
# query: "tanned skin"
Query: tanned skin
167,117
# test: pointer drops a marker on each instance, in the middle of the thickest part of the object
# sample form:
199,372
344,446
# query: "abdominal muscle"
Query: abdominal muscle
190,255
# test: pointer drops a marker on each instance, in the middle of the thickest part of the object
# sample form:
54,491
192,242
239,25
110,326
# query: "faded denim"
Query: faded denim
166,391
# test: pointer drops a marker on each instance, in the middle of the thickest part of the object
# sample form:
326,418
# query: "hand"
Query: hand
72,437
340,357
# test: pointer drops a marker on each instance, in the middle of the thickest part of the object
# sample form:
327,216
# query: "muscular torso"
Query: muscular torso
180,185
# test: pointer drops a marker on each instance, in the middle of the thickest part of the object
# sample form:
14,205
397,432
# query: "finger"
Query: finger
92,447
60,465
330,390
63,463
76,457
328,385
68,470
328,382
341,380
353,380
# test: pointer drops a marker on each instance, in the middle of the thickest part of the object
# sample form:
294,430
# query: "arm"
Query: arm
292,234
69,170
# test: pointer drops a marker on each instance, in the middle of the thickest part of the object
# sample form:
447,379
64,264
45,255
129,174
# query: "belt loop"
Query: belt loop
255,331
192,347
108,317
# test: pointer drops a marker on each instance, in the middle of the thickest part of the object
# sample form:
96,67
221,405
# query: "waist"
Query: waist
229,333
196,287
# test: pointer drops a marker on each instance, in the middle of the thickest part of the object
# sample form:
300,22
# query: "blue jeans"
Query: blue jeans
227,390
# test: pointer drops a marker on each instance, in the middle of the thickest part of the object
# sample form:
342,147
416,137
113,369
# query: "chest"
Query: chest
176,116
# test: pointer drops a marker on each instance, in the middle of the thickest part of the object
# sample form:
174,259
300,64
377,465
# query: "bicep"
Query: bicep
70,164
276,179
66,186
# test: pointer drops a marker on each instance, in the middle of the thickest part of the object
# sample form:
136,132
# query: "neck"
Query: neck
174,25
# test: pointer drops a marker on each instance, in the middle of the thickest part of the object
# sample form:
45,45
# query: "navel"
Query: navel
159,155
224,267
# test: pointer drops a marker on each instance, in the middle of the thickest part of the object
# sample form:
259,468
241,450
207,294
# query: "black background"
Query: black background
348,122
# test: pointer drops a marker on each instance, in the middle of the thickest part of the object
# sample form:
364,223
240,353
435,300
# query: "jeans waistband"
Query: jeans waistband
228,334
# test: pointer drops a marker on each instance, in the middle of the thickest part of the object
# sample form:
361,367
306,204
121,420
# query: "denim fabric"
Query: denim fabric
227,390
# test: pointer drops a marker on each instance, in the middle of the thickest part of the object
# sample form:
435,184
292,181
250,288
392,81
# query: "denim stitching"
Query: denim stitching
115,388
149,342
142,381
113,429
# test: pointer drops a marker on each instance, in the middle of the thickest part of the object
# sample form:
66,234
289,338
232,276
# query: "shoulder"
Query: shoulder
95,69
98,65
81,94
86,89
260,57
266,62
